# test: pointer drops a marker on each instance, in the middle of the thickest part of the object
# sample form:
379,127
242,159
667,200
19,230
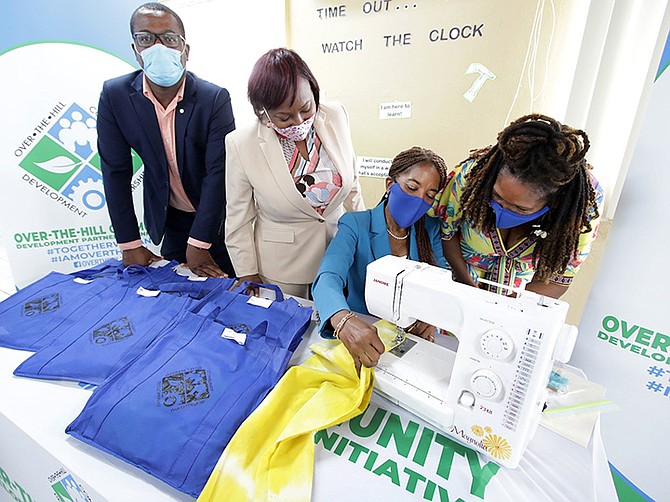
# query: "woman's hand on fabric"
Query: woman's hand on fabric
422,330
251,289
201,263
361,340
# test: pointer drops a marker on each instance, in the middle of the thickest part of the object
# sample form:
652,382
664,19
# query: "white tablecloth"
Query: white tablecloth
387,454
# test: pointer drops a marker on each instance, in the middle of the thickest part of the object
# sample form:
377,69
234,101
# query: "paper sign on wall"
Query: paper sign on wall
395,110
377,167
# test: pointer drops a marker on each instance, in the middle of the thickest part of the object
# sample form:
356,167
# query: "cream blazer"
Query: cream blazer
271,229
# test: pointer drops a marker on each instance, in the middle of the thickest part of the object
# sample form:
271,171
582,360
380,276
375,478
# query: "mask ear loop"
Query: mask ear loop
269,119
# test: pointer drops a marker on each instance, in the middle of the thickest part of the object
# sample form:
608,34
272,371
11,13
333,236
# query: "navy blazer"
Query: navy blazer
127,119
361,238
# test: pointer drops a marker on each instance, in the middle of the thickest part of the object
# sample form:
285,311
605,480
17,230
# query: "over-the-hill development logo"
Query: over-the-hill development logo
64,163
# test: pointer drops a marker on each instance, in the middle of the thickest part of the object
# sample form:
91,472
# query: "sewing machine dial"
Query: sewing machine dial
486,384
496,344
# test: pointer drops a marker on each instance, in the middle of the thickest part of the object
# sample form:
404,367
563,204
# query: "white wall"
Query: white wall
226,39
619,55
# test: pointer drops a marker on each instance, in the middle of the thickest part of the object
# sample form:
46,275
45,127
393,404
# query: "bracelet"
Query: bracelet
340,324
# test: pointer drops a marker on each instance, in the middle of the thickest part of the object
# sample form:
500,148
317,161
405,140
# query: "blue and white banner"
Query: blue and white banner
624,340
55,59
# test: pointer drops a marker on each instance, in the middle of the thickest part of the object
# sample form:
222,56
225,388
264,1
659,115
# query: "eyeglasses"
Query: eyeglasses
146,39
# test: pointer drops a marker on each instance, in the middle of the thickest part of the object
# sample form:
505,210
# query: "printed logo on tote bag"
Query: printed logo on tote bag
114,331
44,305
184,388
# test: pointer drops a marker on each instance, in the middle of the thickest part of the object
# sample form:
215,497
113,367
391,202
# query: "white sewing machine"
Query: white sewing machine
488,394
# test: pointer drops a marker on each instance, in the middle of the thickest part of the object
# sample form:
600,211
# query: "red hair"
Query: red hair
274,79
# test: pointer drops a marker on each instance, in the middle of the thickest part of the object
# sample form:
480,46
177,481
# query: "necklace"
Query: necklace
395,236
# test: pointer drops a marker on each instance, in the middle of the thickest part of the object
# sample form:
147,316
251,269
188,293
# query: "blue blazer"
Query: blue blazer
126,119
361,238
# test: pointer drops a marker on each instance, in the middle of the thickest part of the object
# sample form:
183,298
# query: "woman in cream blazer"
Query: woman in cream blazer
272,232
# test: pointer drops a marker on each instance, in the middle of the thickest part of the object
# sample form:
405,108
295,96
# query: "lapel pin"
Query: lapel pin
181,110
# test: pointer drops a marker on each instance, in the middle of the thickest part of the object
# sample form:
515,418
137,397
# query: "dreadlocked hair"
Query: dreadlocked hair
549,156
405,161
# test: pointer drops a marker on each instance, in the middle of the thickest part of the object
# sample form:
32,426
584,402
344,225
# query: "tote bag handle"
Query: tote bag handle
243,286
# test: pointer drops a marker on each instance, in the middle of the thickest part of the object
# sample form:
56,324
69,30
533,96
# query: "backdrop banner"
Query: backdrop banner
624,340
50,180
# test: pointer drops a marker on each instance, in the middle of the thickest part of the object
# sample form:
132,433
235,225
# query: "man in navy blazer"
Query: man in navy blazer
176,123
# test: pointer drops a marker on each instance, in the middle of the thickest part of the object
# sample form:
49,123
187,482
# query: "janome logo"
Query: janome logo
379,281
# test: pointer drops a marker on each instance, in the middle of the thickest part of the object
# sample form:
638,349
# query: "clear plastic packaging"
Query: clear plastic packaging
574,404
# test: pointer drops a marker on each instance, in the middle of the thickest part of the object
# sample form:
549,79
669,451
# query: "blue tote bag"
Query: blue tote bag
29,317
33,317
120,327
108,268
286,316
172,410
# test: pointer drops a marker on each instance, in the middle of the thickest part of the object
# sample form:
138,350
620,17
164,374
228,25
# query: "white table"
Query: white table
386,454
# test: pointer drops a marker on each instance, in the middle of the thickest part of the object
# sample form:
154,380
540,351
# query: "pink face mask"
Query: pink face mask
296,132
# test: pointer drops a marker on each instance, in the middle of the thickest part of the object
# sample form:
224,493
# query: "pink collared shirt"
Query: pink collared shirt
166,120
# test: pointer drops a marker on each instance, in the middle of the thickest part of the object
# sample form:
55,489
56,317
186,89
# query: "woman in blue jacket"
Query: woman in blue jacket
397,226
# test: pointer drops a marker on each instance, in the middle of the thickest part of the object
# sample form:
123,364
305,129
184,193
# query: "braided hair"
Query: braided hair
549,157
405,161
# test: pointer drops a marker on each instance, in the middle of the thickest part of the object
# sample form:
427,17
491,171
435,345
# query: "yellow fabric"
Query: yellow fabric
271,457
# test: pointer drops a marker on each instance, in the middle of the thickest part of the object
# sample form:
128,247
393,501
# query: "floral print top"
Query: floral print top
485,253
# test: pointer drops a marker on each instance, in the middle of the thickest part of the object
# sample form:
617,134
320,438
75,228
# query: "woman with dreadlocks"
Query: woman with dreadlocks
525,210
397,226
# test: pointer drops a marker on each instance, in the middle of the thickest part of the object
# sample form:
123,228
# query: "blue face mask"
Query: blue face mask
162,65
406,209
508,219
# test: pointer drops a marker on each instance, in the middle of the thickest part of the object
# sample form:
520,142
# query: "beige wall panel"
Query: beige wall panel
368,53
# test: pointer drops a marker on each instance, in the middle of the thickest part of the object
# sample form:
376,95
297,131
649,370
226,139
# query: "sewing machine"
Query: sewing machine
489,393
